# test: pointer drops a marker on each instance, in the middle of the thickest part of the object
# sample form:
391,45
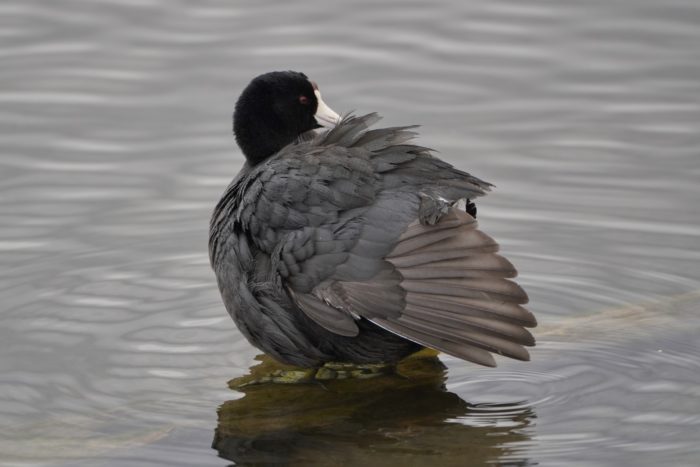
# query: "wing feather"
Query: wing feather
360,223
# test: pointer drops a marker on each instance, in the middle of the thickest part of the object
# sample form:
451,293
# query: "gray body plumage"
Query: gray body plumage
346,246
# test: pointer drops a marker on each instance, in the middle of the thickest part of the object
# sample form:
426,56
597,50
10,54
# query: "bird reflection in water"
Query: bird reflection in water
408,418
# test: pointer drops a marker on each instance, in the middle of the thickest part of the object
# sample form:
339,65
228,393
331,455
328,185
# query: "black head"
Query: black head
274,109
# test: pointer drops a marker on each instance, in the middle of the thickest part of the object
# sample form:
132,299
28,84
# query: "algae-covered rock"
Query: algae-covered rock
406,418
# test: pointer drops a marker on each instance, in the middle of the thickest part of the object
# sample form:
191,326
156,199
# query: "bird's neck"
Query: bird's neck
261,139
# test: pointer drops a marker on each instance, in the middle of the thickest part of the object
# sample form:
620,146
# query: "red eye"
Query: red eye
303,100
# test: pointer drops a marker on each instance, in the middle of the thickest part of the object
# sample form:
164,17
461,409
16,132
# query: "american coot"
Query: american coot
351,245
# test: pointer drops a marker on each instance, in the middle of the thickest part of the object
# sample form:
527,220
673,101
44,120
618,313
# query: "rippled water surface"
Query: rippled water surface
115,144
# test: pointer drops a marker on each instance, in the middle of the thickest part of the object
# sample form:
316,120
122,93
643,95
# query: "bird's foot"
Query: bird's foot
338,370
286,376
328,372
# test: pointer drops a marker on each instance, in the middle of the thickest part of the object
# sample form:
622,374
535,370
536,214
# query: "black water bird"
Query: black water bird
341,243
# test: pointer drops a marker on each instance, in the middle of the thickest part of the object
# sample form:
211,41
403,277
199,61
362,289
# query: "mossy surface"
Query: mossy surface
405,417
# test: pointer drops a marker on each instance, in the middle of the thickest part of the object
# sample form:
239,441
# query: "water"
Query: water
115,145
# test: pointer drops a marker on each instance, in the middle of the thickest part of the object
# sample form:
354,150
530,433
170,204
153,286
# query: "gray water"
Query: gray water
115,144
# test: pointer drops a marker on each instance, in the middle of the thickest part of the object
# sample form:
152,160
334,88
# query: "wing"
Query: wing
359,223
458,295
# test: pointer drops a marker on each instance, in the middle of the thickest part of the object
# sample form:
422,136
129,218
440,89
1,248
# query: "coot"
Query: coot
341,243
